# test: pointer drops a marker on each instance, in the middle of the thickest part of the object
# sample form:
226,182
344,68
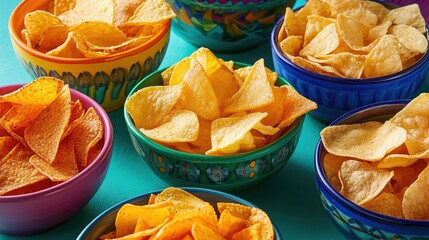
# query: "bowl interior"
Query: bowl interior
105,222
156,79
104,155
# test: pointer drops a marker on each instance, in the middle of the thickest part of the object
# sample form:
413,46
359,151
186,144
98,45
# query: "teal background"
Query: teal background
290,198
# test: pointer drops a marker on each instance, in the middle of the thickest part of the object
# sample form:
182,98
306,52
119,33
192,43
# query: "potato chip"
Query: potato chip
378,31
316,67
276,109
201,231
64,165
401,160
363,16
387,204
229,224
384,58
376,8
292,45
415,203
151,12
369,141
332,165
227,134
405,176
7,143
70,18
199,96
99,34
224,83
153,215
352,31
158,102
348,64
53,37
245,98
312,7
43,136
290,25
124,9
76,117
179,71
409,15
361,182
203,142
69,48
325,42
180,126
315,24
61,6
16,171
410,37
86,135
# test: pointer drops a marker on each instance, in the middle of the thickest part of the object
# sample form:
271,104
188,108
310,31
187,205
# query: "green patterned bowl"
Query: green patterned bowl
108,80
226,173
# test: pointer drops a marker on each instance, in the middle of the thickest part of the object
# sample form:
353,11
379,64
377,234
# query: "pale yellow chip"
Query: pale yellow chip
178,71
99,34
352,31
348,64
151,12
362,182
332,165
415,202
315,24
384,58
158,102
316,67
70,18
378,31
410,37
369,141
376,8
255,92
387,204
409,15
292,45
101,10
180,126
325,42
124,9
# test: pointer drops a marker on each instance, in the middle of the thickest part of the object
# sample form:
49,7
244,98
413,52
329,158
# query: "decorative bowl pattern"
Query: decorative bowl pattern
108,79
227,25
227,173
336,96
353,221
45,209
105,222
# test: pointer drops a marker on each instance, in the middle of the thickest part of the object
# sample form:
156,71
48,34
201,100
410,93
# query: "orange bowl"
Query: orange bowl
108,79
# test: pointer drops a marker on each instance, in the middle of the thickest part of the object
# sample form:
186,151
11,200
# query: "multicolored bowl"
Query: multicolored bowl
105,222
336,96
107,79
227,25
227,173
353,221
37,212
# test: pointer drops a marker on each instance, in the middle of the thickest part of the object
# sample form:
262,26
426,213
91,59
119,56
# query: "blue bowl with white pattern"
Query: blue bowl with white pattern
353,221
225,173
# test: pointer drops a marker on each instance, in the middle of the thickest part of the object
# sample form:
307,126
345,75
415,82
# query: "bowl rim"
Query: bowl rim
321,176
87,171
249,6
293,129
340,80
191,190
15,38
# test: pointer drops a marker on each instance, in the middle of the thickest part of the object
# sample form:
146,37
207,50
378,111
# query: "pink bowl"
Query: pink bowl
40,211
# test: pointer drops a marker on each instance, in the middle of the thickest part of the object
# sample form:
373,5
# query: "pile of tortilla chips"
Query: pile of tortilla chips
383,166
208,107
177,214
45,137
90,28
353,39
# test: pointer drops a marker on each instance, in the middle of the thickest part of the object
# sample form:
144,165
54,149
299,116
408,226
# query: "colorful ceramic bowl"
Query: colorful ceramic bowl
105,222
228,173
107,79
227,25
336,96
36,212
353,221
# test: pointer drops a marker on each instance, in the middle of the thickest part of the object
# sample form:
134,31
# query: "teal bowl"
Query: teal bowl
226,173
105,222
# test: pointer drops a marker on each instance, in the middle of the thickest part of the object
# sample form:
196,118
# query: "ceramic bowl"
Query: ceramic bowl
227,25
336,96
353,221
105,222
228,173
33,213
107,79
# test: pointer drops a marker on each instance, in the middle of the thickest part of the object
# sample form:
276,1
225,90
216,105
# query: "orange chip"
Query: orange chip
179,71
229,224
38,22
16,171
43,136
251,233
7,143
61,6
202,231
361,182
86,135
53,37
41,91
76,116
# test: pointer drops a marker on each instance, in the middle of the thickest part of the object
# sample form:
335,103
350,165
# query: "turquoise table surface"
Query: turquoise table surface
290,198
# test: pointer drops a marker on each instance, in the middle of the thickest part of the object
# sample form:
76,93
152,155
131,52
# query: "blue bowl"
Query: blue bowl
336,96
227,25
105,222
353,221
